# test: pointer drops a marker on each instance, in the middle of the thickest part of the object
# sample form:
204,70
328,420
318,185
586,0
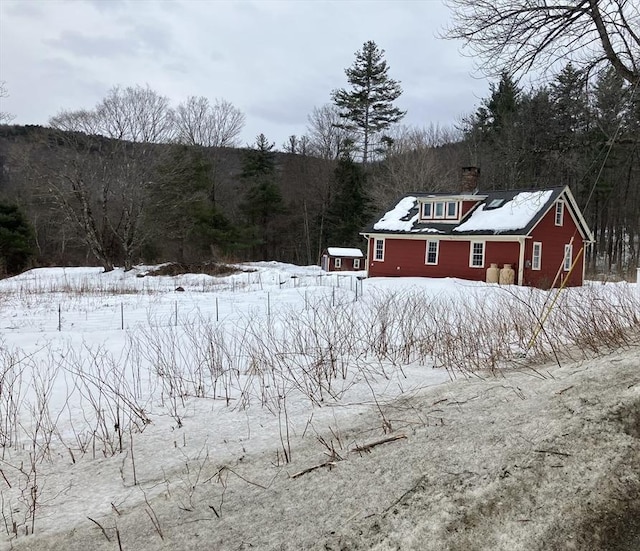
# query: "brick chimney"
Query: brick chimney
470,177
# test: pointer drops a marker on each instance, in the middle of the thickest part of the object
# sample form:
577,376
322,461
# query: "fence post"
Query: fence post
59,317
122,316
217,311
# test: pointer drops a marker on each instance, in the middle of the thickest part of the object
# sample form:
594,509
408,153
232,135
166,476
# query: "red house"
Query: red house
340,259
539,234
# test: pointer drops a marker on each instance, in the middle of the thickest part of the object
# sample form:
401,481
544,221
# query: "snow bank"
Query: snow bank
491,460
533,460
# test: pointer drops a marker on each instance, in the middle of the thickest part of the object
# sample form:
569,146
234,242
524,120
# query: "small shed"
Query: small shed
342,259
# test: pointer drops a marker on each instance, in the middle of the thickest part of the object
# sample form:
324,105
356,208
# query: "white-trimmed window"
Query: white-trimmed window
356,263
559,213
536,256
568,257
378,252
476,254
440,210
337,262
432,252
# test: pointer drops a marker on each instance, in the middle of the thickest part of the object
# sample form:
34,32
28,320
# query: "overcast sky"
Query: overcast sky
274,60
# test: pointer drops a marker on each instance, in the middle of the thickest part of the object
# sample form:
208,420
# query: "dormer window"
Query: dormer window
441,210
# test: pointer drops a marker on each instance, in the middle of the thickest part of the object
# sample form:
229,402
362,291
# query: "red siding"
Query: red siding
553,239
466,207
346,264
406,257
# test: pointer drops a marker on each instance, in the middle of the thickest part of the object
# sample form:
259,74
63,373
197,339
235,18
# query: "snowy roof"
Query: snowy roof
512,212
398,218
345,251
515,214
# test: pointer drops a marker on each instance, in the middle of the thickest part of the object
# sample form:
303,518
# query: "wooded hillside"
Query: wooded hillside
91,199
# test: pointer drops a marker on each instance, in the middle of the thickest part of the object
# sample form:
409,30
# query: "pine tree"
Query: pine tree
263,200
497,130
16,240
571,107
182,200
611,104
367,108
499,112
350,208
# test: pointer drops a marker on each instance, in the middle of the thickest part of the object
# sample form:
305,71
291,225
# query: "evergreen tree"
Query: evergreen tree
367,108
182,200
536,121
614,199
263,200
571,107
611,104
16,240
499,112
350,208
497,130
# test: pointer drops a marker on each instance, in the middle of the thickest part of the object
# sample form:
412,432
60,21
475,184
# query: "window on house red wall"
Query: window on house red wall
536,257
559,213
356,263
338,263
432,252
379,249
568,256
476,256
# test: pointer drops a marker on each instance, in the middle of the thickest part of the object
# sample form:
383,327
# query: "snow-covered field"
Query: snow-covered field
283,408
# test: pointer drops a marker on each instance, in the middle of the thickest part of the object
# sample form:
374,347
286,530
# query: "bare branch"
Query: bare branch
200,123
519,35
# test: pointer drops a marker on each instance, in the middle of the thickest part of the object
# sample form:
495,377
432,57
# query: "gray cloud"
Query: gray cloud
92,45
275,60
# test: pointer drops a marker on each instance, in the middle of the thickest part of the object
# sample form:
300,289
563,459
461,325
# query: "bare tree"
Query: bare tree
5,117
136,114
103,191
518,35
326,138
416,160
297,145
76,121
200,123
